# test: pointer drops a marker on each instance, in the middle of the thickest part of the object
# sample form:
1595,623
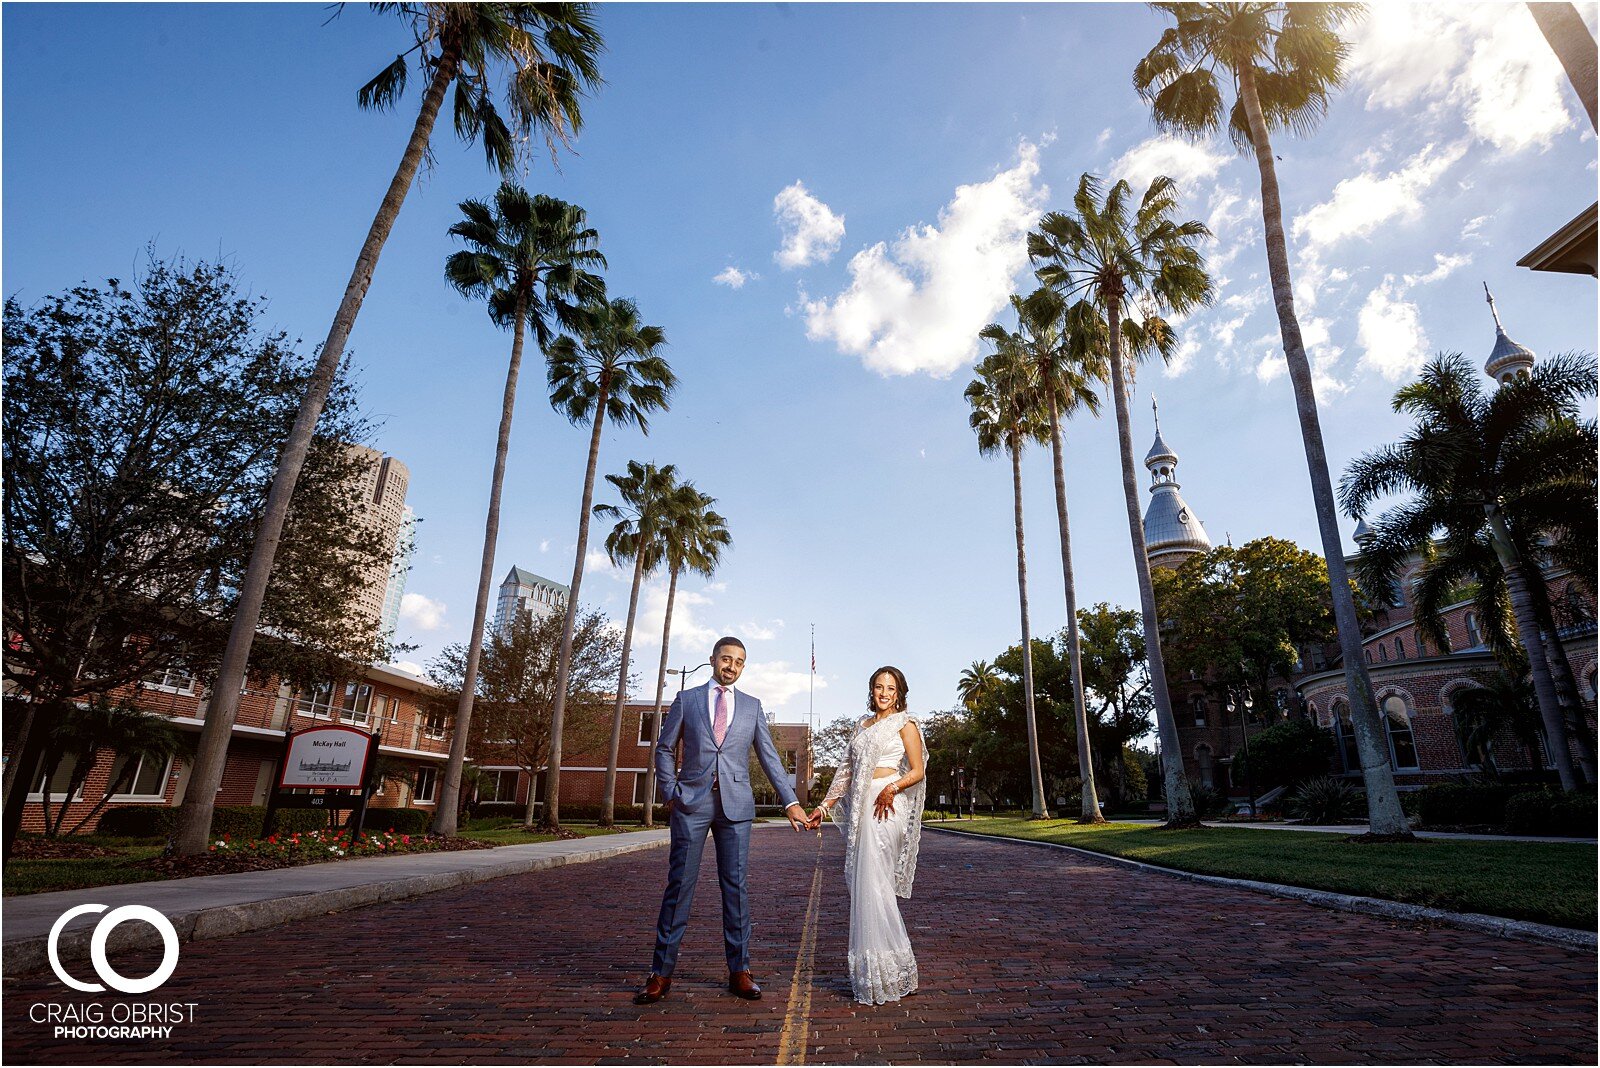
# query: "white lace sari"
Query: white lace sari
880,861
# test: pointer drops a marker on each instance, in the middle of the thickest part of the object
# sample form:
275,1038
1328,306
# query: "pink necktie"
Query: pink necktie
719,722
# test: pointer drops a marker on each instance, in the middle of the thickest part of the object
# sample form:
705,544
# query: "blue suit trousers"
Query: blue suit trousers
732,840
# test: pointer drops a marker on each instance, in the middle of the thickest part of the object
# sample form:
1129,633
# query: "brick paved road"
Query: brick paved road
1026,955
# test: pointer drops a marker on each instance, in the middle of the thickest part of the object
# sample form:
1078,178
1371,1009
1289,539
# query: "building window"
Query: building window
645,719
1383,652
1344,730
1419,643
1202,759
59,781
1474,639
1579,612
1399,648
1402,744
433,727
427,781
316,702
171,679
789,757
394,710
1368,655
149,782
1198,702
499,785
640,784
357,703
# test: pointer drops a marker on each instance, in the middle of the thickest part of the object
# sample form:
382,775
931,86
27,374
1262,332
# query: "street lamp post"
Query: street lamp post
1245,702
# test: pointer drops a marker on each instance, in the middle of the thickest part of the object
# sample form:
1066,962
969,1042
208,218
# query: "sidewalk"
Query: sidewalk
1357,828
216,906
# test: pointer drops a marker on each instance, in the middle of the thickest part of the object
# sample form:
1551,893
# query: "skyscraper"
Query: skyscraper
405,546
524,591
382,488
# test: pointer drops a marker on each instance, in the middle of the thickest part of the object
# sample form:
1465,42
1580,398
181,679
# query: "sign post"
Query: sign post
336,760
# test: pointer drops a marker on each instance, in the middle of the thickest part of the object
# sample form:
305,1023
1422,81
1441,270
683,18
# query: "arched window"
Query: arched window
1368,655
1474,639
1420,643
1402,743
1383,652
1202,760
1349,755
1578,609
1399,648
1198,703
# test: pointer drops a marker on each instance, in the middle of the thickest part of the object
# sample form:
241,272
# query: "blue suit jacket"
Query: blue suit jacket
690,718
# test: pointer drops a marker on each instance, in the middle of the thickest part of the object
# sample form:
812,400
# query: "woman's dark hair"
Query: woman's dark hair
900,683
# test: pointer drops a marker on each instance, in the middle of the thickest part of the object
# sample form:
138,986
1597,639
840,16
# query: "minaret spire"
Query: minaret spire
1492,309
1508,360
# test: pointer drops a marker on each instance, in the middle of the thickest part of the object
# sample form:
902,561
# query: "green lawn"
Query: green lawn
1544,882
35,876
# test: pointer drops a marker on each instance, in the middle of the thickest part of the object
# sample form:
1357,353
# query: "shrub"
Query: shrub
1209,802
1286,752
399,820
1327,800
585,813
1549,812
237,821
1458,804
485,810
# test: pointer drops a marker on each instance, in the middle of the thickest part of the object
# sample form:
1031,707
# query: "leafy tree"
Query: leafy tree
1131,261
1066,348
691,538
1287,753
140,427
550,52
1005,417
78,738
647,492
1116,692
528,257
1241,615
1283,60
1489,479
516,689
1501,703
612,371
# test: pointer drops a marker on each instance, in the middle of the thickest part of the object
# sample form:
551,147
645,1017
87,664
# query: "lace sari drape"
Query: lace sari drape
880,861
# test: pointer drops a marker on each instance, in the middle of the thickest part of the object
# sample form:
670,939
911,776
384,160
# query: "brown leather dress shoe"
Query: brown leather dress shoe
741,984
655,988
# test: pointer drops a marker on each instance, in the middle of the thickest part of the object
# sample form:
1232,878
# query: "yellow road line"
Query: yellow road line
797,1017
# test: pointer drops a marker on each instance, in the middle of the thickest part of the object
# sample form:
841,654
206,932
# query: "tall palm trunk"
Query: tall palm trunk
1569,38
1175,785
1564,680
1090,812
1384,814
558,715
655,717
194,819
1040,810
1555,724
607,802
445,818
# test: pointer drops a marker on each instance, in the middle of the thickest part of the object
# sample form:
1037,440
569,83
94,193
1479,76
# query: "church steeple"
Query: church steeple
1171,531
1509,359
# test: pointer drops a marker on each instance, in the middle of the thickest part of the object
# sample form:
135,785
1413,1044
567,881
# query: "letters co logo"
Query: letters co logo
97,949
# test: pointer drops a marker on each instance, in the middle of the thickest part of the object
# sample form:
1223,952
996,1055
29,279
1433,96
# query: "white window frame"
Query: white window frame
644,725
351,708
1201,711
145,799
640,781
306,703
167,685
433,786
38,795
428,728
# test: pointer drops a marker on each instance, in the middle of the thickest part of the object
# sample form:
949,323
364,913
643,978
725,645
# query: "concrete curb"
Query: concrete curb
30,952
1371,906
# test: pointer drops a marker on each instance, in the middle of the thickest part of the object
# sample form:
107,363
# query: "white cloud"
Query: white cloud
917,306
691,639
544,546
1443,266
597,563
1484,65
1185,162
777,683
1188,349
811,231
734,278
421,612
1361,204
1390,333
756,632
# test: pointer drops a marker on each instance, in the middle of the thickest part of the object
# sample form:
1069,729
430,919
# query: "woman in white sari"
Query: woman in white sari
877,799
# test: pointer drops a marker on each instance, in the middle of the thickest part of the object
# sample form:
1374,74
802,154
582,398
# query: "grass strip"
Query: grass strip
1543,882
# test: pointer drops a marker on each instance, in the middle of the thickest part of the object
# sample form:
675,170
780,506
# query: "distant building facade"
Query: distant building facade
523,591
394,594
381,489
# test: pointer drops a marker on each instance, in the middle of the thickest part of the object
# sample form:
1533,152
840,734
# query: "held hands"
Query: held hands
798,822
814,821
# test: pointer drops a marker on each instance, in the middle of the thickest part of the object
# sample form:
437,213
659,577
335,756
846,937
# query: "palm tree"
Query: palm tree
1067,349
1502,702
646,490
1283,60
528,256
612,371
551,50
977,681
1005,416
691,538
1120,263
82,733
1496,476
1569,38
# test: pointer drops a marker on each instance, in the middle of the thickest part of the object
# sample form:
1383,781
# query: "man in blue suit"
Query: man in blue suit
711,792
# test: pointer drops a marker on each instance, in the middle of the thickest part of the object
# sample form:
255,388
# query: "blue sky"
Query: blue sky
821,205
